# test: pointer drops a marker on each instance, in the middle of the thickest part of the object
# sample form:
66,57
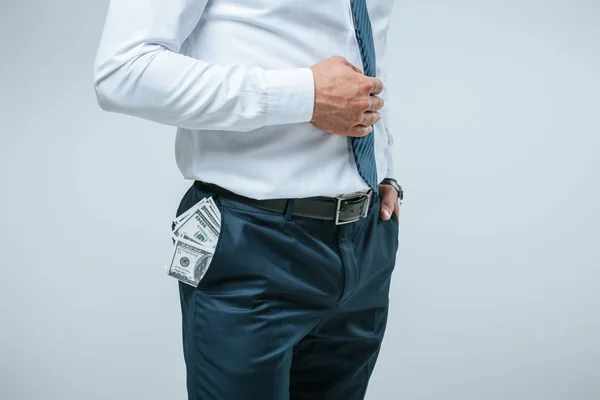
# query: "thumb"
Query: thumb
387,206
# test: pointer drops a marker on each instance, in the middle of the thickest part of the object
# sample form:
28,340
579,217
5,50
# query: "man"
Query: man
279,110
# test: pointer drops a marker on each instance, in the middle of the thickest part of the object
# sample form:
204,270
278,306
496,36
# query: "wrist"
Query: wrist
393,183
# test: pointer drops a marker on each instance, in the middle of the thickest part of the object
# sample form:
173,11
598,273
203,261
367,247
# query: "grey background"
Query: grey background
496,292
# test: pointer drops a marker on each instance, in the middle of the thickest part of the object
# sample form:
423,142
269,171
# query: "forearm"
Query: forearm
139,71
173,89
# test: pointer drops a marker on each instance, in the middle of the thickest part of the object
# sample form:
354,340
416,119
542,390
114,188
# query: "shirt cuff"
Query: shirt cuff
390,171
291,96
391,175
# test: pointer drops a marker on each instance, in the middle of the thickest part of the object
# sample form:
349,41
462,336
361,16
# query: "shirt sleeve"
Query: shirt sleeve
139,71
381,73
388,150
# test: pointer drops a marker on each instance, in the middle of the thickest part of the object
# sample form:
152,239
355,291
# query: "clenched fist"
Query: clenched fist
346,101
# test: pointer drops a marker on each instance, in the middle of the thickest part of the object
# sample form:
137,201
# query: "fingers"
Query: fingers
371,118
360,130
389,201
376,86
375,103
351,106
397,209
371,85
366,126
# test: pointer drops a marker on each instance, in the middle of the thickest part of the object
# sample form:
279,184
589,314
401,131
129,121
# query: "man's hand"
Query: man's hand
344,98
389,202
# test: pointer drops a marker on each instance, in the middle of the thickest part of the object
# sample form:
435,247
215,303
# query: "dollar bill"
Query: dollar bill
198,244
187,213
189,262
195,238
212,208
200,228
208,210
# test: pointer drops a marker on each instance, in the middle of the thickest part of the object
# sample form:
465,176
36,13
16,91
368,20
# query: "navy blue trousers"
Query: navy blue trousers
289,308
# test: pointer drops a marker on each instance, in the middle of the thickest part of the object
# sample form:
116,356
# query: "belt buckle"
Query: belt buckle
352,196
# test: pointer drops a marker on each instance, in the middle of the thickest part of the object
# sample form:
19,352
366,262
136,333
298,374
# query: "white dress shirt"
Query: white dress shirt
233,76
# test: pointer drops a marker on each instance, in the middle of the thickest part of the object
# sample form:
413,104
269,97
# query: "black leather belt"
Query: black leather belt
342,209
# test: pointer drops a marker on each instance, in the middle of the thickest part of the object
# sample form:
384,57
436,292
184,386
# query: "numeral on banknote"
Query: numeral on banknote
196,235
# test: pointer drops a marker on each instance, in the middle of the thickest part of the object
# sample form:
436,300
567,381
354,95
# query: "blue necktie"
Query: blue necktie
364,147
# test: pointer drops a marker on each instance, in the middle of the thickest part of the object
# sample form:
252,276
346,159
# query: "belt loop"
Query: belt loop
289,210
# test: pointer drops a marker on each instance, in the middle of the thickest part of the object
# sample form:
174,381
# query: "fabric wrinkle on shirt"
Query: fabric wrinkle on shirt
233,76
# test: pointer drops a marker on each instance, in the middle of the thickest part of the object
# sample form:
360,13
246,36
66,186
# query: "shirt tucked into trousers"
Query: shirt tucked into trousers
291,308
